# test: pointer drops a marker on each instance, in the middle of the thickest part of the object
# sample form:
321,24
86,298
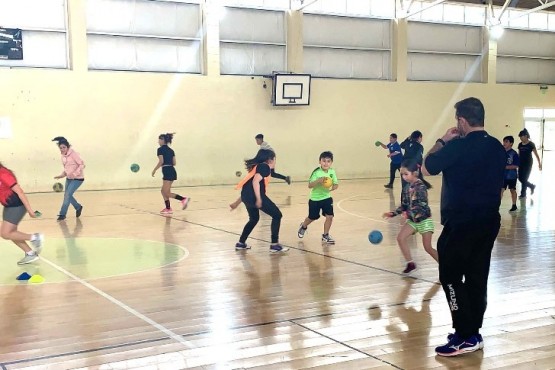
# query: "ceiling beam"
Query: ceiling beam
541,7
507,4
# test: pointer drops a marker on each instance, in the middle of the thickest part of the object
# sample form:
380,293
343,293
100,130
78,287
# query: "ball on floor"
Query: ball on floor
375,237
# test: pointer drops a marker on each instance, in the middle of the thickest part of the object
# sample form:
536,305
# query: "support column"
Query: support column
295,41
77,35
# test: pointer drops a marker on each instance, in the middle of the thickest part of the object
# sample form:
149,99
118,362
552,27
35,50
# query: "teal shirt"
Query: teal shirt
320,192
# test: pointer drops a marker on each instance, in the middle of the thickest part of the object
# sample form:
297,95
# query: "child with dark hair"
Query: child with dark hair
166,160
73,172
16,204
525,150
253,195
396,156
264,145
414,207
322,181
415,151
511,170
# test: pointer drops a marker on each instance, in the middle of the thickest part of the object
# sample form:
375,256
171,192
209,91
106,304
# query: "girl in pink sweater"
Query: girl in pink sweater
73,172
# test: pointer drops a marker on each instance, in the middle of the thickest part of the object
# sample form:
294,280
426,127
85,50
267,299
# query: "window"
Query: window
143,35
347,47
526,57
444,52
252,42
44,31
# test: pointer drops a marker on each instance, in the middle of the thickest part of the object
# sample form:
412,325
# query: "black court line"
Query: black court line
204,332
290,246
154,340
348,346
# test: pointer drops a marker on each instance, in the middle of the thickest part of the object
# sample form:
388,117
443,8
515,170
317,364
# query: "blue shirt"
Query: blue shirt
512,160
395,147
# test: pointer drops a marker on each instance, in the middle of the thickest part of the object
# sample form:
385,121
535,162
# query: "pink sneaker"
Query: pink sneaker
185,203
166,211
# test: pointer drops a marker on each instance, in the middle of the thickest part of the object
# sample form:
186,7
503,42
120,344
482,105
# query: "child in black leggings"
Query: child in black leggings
253,195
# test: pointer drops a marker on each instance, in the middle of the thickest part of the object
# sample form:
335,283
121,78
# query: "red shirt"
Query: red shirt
7,196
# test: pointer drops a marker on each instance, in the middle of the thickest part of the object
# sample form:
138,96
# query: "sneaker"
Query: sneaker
241,246
522,197
28,258
166,211
37,241
278,248
411,267
458,346
388,186
78,212
61,218
185,202
301,231
326,238
288,181
532,188
513,208
478,336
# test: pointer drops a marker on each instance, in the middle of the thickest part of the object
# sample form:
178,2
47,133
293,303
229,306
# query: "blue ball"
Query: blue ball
375,237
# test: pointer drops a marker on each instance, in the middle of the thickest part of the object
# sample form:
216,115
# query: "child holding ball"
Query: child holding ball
322,181
414,207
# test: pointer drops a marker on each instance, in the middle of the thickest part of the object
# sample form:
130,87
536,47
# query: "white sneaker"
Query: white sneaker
28,258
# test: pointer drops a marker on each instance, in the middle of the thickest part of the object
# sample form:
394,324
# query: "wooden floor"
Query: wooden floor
126,288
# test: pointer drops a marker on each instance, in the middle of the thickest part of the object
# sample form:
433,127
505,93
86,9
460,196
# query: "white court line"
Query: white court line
354,214
122,305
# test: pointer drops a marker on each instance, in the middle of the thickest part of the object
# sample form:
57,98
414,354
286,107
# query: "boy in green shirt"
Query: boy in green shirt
322,181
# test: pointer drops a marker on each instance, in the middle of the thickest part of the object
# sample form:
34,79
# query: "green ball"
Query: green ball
58,187
135,167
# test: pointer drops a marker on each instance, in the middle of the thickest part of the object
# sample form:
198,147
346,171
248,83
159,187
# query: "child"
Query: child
166,160
253,195
415,151
320,198
396,157
414,207
525,150
16,205
511,170
73,172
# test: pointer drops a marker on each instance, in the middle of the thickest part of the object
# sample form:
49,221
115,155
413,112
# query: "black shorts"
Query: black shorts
314,207
509,183
169,173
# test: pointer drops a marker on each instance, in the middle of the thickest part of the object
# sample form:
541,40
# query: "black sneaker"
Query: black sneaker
61,218
411,267
513,208
288,180
388,186
241,246
326,238
78,212
278,248
532,188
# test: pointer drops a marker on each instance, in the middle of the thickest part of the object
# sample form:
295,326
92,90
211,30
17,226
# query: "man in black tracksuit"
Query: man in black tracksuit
473,165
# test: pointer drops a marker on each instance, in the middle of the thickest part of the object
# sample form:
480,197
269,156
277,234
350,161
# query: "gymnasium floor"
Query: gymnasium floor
126,288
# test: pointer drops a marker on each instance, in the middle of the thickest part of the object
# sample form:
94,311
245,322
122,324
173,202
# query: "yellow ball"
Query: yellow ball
328,183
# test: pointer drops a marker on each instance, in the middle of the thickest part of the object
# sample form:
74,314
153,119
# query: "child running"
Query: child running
511,170
16,205
415,208
166,160
73,172
253,195
320,197
396,156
